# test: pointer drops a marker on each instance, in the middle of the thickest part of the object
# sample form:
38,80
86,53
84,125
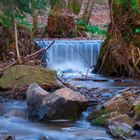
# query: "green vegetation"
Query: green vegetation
100,120
122,132
15,9
137,111
94,30
101,116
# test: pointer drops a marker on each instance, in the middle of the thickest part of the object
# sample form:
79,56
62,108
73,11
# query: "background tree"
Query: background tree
120,53
88,11
14,12
61,21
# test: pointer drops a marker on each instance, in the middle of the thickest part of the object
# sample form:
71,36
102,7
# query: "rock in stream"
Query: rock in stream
62,104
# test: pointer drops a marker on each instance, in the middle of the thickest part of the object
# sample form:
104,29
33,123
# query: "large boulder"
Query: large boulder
23,75
118,103
121,131
122,118
62,104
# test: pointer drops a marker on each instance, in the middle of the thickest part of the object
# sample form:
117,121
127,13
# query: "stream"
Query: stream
23,129
71,65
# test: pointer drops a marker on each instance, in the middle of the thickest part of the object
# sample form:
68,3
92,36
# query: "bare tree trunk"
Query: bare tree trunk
138,5
63,4
88,11
69,6
16,42
35,20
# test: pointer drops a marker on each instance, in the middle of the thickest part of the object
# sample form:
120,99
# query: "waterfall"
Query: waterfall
72,54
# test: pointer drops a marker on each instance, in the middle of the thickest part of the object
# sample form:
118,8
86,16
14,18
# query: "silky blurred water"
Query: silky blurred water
23,129
72,54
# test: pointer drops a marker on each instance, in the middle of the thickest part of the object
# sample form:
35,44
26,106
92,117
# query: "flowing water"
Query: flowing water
23,129
64,55
71,59
72,54
74,58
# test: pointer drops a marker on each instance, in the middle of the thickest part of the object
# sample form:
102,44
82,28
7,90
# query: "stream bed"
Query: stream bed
73,61
14,119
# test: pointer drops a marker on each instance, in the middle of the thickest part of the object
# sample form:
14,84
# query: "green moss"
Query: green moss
101,117
104,46
137,111
21,75
122,132
100,120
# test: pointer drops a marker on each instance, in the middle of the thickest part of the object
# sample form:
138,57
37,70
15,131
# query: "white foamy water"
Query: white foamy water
72,54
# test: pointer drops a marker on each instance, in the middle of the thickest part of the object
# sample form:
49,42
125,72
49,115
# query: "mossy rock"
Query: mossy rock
99,116
99,111
103,119
23,75
137,112
100,120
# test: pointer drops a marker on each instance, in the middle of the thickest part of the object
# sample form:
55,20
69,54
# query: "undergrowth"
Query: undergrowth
94,30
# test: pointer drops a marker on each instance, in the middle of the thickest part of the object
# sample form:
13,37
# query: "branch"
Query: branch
28,57
41,51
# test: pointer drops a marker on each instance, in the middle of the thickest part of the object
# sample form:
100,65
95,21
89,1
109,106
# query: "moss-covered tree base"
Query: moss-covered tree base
120,59
120,53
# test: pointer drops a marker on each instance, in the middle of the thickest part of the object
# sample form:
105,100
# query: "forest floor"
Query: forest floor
100,15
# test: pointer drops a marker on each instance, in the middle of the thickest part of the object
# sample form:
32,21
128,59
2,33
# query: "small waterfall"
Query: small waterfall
72,54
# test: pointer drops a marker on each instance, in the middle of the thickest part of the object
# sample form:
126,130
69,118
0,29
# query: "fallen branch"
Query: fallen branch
28,57
91,79
41,51
10,65
66,85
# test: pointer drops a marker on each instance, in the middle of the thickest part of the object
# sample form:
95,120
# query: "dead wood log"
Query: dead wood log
67,85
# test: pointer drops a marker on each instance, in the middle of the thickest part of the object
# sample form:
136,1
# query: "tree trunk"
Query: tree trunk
76,6
16,42
35,20
88,11
138,5
69,6
120,53
63,4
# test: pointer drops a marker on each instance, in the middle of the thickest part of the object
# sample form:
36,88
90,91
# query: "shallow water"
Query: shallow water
98,81
23,129
69,66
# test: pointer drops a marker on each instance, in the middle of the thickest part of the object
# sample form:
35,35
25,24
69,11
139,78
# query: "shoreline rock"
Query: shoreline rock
19,76
15,80
62,104
120,115
121,130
